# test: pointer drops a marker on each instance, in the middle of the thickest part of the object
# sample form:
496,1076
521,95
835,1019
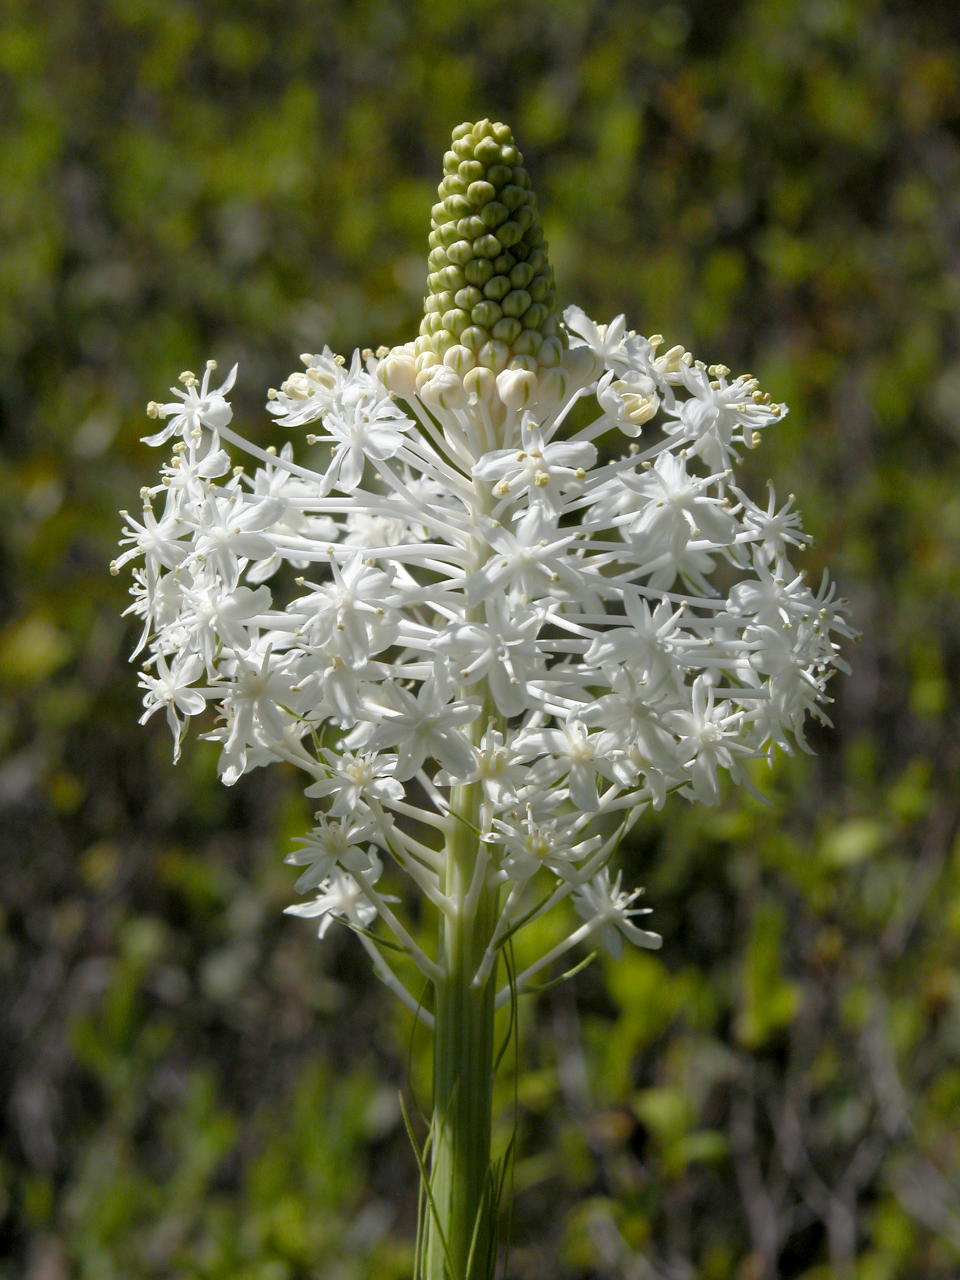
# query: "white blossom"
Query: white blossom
196,407
606,906
450,590
341,896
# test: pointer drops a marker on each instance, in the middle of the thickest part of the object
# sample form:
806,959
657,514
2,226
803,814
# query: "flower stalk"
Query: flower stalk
462,1204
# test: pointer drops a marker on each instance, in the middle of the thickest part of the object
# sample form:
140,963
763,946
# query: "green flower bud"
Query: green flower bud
494,355
477,272
468,297
513,197
497,287
534,316
473,337
481,193
461,251
499,175
509,233
491,297
455,320
451,278
521,275
487,247
529,343
508,329
516,302
538,289
446,235
494,214
486,314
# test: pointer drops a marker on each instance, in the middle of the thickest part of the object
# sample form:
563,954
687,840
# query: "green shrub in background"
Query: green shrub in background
192,1086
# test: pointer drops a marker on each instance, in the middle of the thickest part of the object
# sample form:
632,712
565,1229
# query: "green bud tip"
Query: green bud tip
491,300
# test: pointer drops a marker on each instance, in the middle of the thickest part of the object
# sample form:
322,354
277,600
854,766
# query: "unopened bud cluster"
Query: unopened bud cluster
491,301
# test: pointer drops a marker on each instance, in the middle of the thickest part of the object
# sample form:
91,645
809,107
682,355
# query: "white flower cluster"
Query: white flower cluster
545,591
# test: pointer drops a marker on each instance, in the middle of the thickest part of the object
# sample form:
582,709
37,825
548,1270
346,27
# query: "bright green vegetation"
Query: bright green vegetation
192,1086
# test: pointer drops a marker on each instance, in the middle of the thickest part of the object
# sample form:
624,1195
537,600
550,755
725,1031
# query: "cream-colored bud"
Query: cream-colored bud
398,371
297,387
442,388
517,388
481,383
494,355
460,359
426,360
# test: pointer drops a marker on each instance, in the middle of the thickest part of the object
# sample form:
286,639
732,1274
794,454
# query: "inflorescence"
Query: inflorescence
512,555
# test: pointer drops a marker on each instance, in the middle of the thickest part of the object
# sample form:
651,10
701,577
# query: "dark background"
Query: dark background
192,1085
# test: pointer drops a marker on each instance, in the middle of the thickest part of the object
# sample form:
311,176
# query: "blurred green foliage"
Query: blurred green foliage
193,1087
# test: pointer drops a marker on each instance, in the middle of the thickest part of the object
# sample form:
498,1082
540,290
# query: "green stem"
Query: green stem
461,1213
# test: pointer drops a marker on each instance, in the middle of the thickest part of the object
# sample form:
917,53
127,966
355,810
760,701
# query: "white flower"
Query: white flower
575,755
354,780
230,528
160,542
258,691
214,617
349,617
605,341
341,897
531,561
363,422
719,413
631,400
532,844
604,902
538,470
675,506
502,650
475,616
329,843
775,530
198,407
427,726
644,646
305,397
710,737
170,689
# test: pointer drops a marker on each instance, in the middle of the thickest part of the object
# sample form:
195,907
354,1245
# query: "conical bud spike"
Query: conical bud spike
491,300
